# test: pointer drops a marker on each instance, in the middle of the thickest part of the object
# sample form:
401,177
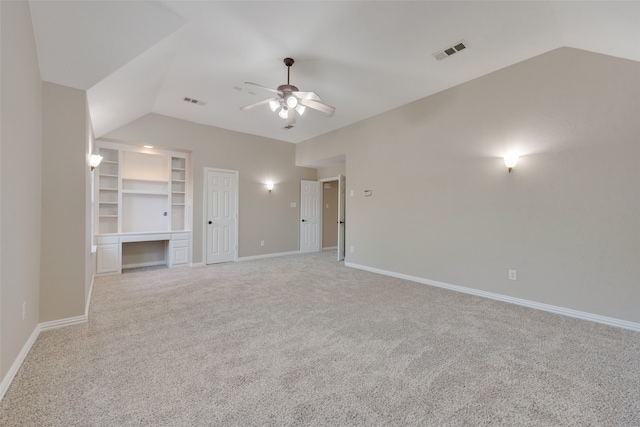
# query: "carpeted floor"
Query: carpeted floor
303,340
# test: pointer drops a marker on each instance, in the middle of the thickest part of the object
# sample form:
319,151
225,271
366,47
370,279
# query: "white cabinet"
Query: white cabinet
142,192
179,249
108,257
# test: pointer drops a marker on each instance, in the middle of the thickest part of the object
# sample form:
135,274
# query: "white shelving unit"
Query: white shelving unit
178,192
143,195
108,198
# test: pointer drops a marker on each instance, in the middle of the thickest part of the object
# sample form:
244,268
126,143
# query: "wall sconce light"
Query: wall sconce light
269,186
510,161
94,161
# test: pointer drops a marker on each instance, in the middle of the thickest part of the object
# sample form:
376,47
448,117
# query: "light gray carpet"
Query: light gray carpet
303,340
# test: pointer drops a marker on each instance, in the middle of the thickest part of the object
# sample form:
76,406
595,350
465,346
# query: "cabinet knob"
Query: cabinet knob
210,222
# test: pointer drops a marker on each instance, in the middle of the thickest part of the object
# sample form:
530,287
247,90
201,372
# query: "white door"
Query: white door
342,188
310,195
221,215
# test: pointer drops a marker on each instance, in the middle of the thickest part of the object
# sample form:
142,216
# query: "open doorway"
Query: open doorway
333,215
322,217
330,215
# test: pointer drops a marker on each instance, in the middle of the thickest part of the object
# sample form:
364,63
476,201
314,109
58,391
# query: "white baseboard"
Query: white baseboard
196,264
611,321
61,323
249,258
15,367
330,248
40,327
144,264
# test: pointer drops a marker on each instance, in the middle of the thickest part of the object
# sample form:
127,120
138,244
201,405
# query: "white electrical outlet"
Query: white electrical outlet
261,242
24,310
513,275
293,204
351,249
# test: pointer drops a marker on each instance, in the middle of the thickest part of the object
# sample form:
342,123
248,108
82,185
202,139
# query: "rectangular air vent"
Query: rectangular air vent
451,50
194,101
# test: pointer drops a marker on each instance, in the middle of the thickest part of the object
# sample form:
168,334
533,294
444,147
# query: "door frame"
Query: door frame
205,200
323,180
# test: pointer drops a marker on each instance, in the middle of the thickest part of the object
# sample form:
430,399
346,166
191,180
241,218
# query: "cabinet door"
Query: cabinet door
108,259
180,256
179,252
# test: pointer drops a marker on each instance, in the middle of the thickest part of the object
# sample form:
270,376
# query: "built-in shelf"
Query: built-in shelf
107,197
139,191
142,203
163,181
160,193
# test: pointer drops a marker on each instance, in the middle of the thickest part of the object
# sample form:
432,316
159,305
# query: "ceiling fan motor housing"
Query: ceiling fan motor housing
287,88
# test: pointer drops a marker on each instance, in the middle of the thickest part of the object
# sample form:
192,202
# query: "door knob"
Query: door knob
304,220
210,222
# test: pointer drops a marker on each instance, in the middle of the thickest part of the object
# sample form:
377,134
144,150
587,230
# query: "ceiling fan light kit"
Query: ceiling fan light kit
290,100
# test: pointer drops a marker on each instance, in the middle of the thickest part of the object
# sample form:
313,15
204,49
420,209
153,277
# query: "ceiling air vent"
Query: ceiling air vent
194,101
451,50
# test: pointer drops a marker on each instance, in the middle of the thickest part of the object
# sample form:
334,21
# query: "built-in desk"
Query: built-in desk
170,248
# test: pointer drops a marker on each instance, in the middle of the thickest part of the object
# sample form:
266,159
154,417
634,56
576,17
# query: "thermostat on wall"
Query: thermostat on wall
367,192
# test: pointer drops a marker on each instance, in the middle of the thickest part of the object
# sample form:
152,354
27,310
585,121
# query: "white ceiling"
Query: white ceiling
362,57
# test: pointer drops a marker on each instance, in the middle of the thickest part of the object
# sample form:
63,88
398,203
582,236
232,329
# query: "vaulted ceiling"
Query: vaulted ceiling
362,57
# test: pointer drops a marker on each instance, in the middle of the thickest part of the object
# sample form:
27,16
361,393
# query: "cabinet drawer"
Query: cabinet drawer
107,240
179,243
180,236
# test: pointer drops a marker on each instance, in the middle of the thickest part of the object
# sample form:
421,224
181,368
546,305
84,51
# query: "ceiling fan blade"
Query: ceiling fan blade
291,116
307,95
257,104
327,109
265,88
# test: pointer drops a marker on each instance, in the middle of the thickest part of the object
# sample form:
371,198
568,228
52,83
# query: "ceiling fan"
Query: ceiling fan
290,100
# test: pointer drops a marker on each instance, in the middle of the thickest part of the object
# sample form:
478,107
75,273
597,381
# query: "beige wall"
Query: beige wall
444,207
65,174
332,171
262,215
330,214
20,162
